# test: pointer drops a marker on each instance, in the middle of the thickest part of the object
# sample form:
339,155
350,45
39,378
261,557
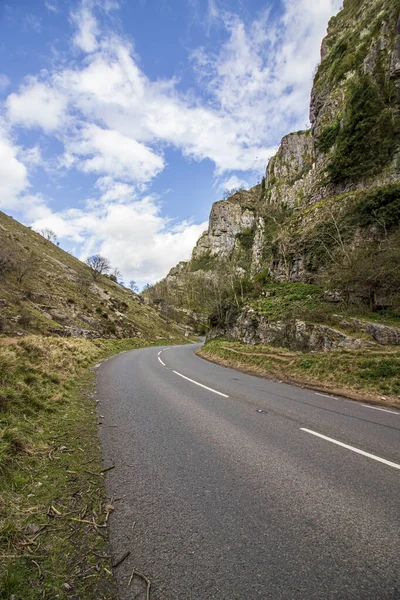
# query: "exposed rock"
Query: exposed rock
383,334
77,332
333,296
395,61
228,218
296,334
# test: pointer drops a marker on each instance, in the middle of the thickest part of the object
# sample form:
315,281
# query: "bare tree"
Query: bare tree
228,193
26,266
116,275
98,265
133,286
48,235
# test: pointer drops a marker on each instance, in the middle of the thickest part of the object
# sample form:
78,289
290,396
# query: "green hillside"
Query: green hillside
45,290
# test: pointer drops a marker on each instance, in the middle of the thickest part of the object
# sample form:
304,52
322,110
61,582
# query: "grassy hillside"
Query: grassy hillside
44,289
53,510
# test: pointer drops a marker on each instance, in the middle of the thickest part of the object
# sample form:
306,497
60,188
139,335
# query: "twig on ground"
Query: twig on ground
120,560
145,579
100,555
38,566
107,469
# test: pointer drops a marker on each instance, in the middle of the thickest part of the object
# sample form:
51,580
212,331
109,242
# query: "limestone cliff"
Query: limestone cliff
331,194
319,173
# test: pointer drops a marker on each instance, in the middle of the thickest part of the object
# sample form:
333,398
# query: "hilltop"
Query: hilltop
45,290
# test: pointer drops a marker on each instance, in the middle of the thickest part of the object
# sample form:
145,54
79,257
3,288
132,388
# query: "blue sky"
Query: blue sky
121,121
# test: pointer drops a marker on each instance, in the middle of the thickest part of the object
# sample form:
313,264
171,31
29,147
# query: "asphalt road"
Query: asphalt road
214,499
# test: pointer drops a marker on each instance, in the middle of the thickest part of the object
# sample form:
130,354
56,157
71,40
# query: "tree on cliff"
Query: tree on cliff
98,265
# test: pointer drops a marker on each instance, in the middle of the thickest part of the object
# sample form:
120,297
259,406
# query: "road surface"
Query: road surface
215,499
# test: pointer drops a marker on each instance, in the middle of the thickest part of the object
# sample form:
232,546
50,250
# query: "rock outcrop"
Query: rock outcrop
228,219
295,334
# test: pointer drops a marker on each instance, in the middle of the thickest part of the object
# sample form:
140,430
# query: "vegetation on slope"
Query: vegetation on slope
362,375
46,290
366,141
53,512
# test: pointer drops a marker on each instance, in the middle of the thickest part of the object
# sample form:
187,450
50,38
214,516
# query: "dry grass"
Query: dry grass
53,513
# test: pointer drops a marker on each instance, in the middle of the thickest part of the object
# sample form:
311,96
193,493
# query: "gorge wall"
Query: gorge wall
329,190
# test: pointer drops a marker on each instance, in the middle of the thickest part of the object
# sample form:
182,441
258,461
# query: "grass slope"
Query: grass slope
58,294
363,375
53,511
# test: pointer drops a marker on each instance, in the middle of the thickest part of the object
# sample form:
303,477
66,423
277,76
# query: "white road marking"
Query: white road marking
201,385
159,353
326,396
163,363
353,449
393,412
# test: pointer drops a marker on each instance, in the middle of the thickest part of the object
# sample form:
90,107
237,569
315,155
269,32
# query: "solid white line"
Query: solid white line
373,456
163,363
393,412
326,396
201,385
159,353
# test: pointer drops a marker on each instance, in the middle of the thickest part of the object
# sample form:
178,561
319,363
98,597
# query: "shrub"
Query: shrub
203,263
328,136
366,142
381,205
246,238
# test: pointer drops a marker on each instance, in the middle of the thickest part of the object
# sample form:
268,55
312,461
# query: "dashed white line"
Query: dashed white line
393,412
352,448
159,353
163,363
201,385
326,396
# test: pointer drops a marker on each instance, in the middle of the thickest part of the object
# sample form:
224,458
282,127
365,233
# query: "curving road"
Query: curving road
215,499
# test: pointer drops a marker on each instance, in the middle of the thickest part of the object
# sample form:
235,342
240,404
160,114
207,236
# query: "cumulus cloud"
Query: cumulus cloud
37,105
232,183
134,236
109,152
115,122
13,173
87,28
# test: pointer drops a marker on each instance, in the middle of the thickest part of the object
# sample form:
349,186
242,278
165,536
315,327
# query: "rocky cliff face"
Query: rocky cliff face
228,220
329,192
319,173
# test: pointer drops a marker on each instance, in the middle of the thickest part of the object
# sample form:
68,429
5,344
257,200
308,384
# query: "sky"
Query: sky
122,121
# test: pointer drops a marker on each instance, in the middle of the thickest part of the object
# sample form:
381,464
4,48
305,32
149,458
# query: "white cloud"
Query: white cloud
232,183
13,173
134,236
110,152
254,90
37,105
87,31
114,121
